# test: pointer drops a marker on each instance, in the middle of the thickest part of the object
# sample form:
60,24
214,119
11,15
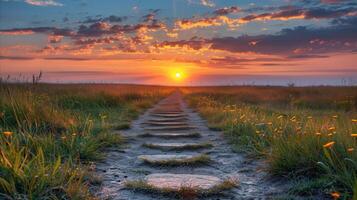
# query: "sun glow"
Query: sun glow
177,75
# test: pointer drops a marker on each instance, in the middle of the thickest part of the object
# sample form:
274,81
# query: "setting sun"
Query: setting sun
178,75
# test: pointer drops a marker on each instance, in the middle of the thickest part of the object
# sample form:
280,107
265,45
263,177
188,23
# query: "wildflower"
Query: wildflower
330,134
309,117
318,134
257,132
71,121
74,134
63,137
350,149
280,116
354,120
332,128
329,145
335,195
354,135
335,116
7,133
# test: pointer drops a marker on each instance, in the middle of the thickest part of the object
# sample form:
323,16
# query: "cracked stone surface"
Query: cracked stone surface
169,128
123,165
177,181
175,145
166,157
168,115
166,123
171,135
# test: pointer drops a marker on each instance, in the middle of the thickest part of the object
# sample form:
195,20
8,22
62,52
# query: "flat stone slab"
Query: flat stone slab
176,182
172,119
160,112
177,145
174,159
171,135
168,115
166,123
169,128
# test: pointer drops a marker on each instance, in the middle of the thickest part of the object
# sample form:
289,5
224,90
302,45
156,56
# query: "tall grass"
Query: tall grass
308,140
51,134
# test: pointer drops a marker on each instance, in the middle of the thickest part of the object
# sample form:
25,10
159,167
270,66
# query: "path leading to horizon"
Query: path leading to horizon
170,148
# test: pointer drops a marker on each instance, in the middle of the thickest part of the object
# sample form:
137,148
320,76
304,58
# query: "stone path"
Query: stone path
170,149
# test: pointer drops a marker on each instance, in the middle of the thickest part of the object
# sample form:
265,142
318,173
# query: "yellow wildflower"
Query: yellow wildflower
329,144
7,133
354,135
335,116
309,117
335,195
354,120
330,134
318,134
332,128
280,116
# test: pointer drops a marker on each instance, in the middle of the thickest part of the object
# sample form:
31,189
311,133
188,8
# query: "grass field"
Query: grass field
308,135
52,134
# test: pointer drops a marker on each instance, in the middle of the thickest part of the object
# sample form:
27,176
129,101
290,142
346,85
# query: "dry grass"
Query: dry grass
304,133
50,134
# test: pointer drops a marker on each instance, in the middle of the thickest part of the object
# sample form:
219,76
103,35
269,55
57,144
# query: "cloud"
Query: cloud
55,38
43,3
111,19
300,13
193,43
227,10
207,3
297,42
207,22
44,30
15,58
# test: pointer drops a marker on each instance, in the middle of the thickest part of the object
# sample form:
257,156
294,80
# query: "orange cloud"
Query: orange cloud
206,22
17,32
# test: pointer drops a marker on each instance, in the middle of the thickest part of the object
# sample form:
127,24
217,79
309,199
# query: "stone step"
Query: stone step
182,184
165,112
170,128
178,181
172,119
171,135
177,145
175,159
168,115
166,123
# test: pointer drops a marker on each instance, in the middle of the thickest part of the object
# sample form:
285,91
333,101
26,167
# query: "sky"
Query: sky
206,42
